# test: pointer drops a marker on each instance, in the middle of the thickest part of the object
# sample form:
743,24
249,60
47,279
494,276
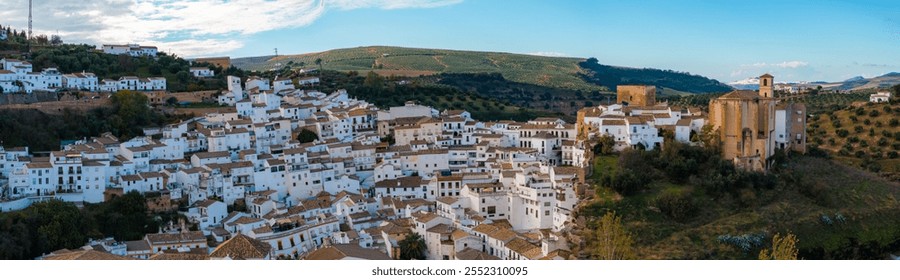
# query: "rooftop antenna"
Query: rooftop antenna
29,19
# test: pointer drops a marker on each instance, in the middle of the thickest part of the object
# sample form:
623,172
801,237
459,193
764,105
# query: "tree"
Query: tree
783,248
306,136
374,81
709,137
678,205
412,247
612,241
132,113
56,40
319,62
605,145
171,101
124,217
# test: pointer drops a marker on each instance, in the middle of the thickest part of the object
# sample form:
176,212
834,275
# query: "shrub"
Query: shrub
844,152
678,205
842,133
858,128
874,113
628,182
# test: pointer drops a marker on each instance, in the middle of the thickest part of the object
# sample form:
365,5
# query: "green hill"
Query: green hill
557,72
612,76
547,71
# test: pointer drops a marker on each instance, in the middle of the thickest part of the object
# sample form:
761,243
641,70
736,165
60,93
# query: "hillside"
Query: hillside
612,76
867,136
387,61
836,211
71,58
557,72
860,83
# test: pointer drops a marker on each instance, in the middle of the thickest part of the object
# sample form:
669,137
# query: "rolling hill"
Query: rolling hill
558,72
386,61
860,83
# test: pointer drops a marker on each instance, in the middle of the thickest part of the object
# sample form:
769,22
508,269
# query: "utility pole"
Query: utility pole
276,52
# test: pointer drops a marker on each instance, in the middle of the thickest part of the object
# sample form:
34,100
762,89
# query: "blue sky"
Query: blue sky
725,40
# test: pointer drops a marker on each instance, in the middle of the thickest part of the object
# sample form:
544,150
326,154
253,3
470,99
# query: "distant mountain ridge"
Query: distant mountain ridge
560,72
854,83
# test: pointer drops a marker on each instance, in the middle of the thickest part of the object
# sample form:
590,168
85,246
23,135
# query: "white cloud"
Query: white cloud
389,4
551,54
786,64
792,64
189,28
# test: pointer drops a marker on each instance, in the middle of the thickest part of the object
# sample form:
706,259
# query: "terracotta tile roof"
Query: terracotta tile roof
179,257
341,251
402,182
486,229
137,245
557,253
84,255
469,254
440,229
740,94
459,234
524,248
242,247
169,238
424,217
447,200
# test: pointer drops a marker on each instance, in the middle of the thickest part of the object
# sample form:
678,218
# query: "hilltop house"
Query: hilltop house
130,49
880,97
202,72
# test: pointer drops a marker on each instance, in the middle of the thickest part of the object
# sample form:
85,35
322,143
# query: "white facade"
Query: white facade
130,49
202,72
81,81
880,97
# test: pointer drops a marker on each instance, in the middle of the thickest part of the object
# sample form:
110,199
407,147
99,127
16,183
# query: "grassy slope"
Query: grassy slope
822,130
546,71
869,203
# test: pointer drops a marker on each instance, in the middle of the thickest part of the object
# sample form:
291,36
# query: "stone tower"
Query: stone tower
766,84
636,95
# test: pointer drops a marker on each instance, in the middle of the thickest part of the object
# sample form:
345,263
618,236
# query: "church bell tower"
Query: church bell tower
766,84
